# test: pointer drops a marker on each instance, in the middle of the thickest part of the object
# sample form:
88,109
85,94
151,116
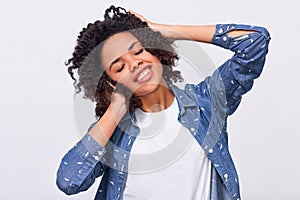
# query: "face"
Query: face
127,62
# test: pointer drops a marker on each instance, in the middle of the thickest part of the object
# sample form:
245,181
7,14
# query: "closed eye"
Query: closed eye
121,68
139,52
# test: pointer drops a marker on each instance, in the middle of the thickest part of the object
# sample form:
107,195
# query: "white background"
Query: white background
36,110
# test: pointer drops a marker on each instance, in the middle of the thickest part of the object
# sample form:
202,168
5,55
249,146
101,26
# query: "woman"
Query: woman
125,64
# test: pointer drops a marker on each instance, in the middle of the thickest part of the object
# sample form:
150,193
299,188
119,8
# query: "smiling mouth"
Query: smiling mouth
144,75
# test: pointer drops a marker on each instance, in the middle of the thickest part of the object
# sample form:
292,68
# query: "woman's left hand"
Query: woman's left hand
141,17
166,30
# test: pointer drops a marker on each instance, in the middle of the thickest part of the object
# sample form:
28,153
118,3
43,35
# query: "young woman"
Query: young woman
153,140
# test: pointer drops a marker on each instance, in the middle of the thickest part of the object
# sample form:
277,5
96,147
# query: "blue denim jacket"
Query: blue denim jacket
203,109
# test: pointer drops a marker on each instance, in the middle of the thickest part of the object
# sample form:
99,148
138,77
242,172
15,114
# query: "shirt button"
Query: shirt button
210,150
226,176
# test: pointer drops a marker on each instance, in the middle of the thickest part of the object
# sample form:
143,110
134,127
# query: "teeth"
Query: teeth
143,74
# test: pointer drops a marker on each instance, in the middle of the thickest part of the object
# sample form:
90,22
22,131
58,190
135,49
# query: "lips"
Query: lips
144,74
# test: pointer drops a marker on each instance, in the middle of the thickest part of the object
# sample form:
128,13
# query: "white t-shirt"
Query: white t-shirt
166,162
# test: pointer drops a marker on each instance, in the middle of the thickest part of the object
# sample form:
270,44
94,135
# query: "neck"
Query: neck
158,100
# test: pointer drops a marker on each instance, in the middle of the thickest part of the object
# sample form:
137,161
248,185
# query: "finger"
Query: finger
132,12
111,85
137,15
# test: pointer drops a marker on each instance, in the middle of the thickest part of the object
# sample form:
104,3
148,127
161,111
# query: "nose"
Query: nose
134,64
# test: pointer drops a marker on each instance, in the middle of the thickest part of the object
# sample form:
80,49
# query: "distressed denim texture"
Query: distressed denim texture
203,109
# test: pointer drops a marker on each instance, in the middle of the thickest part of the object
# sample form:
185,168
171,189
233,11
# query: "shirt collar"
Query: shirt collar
184,98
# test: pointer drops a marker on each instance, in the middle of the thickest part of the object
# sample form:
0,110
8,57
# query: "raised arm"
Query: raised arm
82,164
235,77
237,74
201,33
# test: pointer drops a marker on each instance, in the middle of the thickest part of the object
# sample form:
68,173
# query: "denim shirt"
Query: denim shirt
203,110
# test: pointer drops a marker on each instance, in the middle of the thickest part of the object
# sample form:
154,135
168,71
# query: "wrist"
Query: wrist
116,112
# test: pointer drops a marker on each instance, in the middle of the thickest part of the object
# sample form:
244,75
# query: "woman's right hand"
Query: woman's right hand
118,103
106,125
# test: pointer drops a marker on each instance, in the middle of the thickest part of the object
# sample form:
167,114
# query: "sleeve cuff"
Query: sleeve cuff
92,146
90,149
221,38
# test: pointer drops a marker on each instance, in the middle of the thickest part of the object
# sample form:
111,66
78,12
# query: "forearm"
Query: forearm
195,33
184,32
80,166
199,33
105,127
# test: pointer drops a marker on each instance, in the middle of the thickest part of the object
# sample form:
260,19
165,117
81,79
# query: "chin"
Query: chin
146,89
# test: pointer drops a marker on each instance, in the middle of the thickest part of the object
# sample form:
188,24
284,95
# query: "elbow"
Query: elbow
263,43
65,188
265,33
65,185
267,39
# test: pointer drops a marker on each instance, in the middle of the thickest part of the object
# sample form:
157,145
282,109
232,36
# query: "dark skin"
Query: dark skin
142,72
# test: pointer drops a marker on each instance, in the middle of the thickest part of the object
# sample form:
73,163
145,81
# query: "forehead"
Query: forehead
116,46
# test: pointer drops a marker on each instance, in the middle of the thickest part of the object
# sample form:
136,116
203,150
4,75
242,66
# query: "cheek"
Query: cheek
124,79
158,70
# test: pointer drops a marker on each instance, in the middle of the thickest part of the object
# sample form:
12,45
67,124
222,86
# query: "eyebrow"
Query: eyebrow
117,60
132,45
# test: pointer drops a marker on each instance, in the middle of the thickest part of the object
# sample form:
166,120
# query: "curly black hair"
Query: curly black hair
86,59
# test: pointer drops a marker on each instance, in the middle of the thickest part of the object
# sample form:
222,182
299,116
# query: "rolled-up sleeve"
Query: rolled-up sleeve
238,73
81,165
